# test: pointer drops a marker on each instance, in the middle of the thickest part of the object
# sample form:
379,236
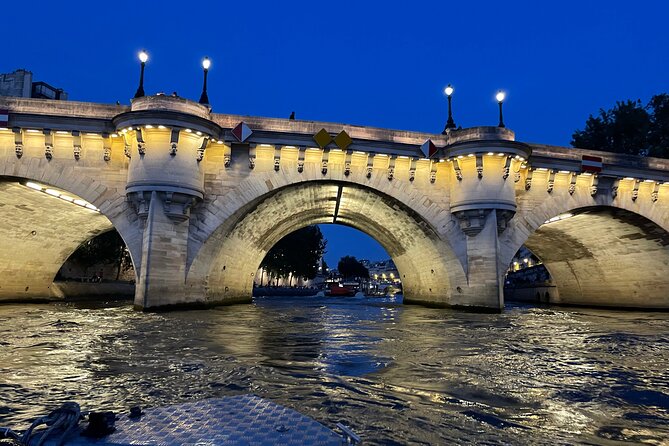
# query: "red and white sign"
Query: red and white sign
591,164
4,118
428,148
241,132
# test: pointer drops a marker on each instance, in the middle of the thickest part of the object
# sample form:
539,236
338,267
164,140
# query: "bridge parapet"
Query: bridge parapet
175,104
613,164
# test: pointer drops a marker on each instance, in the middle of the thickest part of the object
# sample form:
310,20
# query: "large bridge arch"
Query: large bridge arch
604,250
178,182
428,201
225,265
39,231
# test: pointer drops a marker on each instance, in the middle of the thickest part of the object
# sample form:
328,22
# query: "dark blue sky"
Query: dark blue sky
370,63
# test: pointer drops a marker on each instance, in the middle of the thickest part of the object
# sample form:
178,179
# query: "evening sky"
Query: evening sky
375,63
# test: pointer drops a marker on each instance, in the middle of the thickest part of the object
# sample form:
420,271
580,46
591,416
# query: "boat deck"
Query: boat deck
245,420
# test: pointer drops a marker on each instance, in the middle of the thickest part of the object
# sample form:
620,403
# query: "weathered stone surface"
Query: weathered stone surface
199,210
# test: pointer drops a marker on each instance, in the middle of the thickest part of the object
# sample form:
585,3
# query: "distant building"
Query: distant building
20,84
383,276
382,271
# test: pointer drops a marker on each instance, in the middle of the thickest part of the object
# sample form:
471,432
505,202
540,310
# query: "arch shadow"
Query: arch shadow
41,229
603,255
225,266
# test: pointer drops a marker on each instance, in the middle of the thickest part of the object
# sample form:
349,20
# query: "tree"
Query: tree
349,267
107,248
297,254
658,137
629,128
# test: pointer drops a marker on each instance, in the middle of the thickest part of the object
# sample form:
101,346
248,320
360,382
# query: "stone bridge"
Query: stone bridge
199,198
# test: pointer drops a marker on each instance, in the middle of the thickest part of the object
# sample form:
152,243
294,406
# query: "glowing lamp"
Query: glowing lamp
450,124
204,98
143,57
500,96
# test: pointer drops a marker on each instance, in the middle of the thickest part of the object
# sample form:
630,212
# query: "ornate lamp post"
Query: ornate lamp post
204,99
143,57
500,99
450,124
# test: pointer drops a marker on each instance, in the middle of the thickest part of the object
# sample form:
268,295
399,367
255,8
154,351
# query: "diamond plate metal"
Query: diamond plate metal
244,420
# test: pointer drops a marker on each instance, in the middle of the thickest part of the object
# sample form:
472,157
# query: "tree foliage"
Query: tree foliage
106,248
297,254
630,128
349,267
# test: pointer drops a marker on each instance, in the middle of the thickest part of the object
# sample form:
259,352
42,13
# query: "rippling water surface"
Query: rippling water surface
396,374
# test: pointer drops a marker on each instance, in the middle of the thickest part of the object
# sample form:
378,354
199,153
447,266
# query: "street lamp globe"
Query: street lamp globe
204,98
143,57
500,99
450,124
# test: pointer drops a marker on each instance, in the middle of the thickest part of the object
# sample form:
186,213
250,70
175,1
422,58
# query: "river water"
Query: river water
396,374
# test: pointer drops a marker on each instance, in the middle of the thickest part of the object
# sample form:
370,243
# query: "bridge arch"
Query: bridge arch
599,251
39,231
224,267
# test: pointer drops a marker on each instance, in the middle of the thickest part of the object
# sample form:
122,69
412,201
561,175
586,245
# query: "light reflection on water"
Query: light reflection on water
396,374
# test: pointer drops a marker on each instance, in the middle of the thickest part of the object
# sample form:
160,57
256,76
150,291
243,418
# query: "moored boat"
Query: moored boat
338,289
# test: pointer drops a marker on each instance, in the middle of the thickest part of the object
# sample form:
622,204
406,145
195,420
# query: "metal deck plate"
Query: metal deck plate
239,420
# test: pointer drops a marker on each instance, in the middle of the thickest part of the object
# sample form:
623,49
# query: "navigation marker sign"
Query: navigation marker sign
428,148
591,164
241,132
343,140
322,138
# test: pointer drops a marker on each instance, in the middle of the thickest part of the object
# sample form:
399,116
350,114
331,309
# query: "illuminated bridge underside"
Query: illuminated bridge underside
607,257
39,232
200,203
427,266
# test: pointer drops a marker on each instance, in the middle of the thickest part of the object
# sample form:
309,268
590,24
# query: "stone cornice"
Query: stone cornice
101,118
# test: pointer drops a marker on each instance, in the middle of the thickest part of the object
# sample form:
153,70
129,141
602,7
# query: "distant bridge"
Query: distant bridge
199,199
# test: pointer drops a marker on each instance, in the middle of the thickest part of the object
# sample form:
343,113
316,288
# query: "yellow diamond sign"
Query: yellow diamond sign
343,140
322,138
